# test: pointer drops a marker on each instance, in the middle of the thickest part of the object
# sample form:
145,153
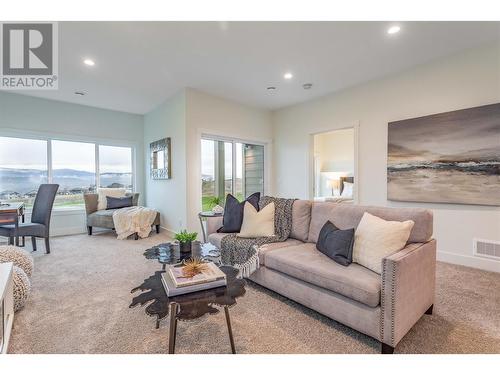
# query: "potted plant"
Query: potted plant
216,202
185,240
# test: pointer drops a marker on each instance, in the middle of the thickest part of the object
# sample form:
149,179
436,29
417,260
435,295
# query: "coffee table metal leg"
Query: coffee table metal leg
228,321
173,328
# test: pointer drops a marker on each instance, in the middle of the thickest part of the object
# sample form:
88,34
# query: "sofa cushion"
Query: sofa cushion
257,223
102,218
120,202
336,244
233,212
216,238
270,247
306,263
108,192
377,238
346,216
301,219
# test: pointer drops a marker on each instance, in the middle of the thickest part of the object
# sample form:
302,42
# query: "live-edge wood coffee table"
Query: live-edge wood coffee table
187,306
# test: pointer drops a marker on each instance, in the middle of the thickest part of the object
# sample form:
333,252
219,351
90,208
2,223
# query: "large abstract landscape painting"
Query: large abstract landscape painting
451,157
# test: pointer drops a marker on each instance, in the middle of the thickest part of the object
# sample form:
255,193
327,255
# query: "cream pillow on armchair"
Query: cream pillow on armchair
257,223
376,238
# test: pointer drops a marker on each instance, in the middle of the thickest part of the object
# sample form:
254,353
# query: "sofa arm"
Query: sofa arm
135,198
213,223
90,203
408,286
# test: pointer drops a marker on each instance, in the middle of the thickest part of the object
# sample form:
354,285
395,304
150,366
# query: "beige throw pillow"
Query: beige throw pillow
376,238
108,192
257,223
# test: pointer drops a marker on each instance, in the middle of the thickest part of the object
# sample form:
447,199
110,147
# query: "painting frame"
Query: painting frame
450,157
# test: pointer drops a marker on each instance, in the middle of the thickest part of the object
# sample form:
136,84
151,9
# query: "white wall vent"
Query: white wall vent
486,248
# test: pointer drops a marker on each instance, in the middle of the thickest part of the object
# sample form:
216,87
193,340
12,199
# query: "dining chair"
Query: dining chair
40,218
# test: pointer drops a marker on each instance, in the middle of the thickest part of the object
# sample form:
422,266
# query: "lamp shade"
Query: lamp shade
334,183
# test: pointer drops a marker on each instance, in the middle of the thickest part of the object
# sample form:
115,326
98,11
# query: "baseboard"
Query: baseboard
56,232
469,261
170,232
66,231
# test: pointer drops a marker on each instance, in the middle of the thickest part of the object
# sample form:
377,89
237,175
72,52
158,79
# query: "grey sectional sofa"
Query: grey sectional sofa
384,306
104,218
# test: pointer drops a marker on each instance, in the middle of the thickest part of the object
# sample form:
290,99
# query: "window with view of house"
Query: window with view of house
230,167
78,167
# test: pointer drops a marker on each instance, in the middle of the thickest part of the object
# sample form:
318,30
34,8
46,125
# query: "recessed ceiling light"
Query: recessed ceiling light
89,62
288,75
271,88
393,30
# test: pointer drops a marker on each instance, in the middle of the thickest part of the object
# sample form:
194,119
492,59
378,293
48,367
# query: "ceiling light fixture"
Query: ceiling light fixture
89,62
288,75
393,30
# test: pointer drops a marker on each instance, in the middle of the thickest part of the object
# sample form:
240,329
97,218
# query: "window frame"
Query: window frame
233,141
49,137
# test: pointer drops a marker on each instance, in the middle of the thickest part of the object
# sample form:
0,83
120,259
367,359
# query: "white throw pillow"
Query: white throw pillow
347,191
257,223
108,192
376,238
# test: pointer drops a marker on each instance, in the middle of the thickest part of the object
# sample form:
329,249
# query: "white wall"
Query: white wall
168,196
184,118
208,114
468,79
20,114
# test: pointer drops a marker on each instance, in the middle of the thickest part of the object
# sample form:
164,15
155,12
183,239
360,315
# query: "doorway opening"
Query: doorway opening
334,165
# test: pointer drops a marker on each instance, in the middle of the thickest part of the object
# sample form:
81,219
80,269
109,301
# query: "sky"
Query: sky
32,154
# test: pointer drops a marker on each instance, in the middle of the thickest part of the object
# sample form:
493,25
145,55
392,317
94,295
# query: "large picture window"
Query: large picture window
230,167
73,168
78,167
23,167
115,167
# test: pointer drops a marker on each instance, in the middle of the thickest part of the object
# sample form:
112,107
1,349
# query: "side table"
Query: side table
205,215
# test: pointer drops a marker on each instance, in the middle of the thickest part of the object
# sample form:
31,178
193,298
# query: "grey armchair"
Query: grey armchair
104,218
40,218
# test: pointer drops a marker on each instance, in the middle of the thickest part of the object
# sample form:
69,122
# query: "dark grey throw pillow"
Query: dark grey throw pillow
233,212
336,243
112,202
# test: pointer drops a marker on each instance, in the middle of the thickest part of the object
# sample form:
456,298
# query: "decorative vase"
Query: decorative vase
217,209
185,247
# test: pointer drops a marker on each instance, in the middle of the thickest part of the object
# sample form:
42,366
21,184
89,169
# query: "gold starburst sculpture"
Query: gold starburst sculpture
193,267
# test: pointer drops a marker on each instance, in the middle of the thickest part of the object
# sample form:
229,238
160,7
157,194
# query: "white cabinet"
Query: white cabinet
6,305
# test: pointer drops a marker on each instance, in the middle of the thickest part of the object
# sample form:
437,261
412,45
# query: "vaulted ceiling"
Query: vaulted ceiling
140,64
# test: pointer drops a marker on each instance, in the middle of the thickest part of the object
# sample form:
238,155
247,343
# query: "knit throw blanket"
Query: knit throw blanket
242,253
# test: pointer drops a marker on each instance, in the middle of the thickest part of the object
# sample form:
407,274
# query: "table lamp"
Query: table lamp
334,184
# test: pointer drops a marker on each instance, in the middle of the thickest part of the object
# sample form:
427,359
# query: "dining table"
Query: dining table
10,212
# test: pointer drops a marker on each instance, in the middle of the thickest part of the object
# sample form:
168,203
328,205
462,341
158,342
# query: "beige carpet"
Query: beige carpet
81,294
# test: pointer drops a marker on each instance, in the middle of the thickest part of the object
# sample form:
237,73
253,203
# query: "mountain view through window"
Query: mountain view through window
24,165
